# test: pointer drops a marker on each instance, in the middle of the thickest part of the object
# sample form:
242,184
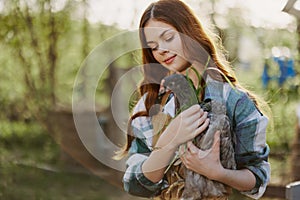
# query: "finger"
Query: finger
192,148
202,127
191,118
162,87
202,119
181,150
182,153
182,158
202,154
196,119
192,110
193,114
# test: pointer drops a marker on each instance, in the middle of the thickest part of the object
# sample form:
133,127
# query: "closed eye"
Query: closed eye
170,38
153,48
152,45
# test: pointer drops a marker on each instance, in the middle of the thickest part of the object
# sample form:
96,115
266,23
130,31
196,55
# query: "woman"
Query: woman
173,37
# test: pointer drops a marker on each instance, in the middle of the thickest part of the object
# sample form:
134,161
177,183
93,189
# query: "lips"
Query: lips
169,60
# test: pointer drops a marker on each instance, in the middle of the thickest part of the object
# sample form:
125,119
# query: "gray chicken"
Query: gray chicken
197,186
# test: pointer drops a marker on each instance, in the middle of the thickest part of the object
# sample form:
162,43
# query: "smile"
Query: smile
170,59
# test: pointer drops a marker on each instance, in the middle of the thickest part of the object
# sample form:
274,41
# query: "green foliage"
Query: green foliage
282,101
29,167
24,139
45,48
31,36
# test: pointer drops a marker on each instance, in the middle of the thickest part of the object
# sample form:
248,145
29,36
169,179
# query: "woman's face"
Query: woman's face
166,46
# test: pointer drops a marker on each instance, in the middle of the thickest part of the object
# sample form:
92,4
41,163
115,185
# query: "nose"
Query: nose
162,50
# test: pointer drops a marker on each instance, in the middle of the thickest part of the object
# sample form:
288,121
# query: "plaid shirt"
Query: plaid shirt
247,123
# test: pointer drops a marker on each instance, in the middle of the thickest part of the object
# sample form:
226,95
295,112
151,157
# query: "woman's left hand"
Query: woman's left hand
206,163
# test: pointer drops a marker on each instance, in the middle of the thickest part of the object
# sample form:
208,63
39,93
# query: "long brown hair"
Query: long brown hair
181,17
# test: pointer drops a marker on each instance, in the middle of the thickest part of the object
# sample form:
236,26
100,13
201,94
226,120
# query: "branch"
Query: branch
52,54
35,44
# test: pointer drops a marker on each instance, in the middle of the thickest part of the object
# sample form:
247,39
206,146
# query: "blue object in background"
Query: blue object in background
286,67
265,75
286,70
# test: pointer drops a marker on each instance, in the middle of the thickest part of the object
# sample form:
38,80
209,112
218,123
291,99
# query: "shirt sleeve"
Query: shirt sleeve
251,149
134,181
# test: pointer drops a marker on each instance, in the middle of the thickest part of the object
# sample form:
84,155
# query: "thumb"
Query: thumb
162,88
216,144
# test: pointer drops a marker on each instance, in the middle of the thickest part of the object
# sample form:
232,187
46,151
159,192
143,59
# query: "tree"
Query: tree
35,29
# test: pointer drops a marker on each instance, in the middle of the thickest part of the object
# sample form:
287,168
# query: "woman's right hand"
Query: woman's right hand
186,126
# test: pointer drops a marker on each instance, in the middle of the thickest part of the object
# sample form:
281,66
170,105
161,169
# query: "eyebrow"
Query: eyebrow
159,35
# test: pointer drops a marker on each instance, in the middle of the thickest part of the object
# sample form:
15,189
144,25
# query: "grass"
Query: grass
30,169
20,182
26,182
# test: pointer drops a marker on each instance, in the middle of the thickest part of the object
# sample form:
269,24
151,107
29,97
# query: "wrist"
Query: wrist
167,146
220,175
167,141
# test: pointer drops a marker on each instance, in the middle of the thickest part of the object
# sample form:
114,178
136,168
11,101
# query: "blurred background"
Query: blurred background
43,45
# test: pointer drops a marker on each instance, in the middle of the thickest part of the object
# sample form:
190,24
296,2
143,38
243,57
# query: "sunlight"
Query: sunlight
126,14
297,5
267,13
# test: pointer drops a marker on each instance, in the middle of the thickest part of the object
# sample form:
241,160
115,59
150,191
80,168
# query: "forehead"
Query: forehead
154,28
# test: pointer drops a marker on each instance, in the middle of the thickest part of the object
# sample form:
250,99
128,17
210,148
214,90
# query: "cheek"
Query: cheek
176,46
157,56
180,50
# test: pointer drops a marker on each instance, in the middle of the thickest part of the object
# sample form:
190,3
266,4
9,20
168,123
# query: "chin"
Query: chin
173,69
180,69
170,68
176,67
